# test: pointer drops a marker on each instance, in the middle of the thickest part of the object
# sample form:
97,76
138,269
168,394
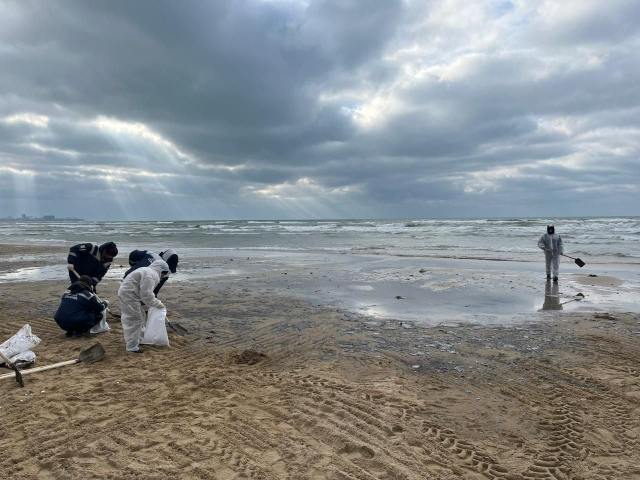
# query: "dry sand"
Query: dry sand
269,387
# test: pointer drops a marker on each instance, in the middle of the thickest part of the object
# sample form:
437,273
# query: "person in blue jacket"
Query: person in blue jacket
79,310
92,260
144,258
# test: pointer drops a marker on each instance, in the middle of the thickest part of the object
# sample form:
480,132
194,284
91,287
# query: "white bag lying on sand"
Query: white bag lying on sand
22,341
23,359
155,332
103,326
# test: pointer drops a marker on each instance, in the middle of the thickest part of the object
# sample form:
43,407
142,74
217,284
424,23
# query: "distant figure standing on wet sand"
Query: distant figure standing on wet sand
551,243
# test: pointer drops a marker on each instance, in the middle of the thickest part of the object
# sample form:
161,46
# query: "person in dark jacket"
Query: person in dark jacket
79,310
144,258
92,260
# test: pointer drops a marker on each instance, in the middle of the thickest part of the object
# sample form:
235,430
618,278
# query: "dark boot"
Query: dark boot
555,279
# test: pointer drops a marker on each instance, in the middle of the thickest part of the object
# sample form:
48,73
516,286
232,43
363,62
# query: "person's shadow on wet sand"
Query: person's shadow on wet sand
551,296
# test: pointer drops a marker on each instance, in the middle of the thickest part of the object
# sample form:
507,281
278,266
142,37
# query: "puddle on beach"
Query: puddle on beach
48,272
34,274
429,293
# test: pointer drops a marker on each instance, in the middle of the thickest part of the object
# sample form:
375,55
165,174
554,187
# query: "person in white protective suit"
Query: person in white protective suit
138,287
551,243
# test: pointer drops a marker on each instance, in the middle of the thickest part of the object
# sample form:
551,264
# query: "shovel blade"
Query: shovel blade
580,263
92,354
179,329
18,375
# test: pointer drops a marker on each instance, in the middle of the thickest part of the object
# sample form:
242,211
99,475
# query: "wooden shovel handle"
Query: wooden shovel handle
6,359
558,253
71,269
41,369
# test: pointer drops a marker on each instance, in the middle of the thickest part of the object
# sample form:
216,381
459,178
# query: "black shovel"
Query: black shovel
14,368
579,262
179,329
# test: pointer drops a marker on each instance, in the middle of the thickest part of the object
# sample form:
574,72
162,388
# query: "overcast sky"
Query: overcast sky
319,108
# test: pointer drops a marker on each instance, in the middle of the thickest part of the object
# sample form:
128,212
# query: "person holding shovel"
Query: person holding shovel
92,260
79,310
551,243
138,287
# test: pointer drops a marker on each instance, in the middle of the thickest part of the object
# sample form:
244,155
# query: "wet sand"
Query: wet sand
269,386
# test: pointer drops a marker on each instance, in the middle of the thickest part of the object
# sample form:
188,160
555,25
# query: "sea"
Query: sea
593,239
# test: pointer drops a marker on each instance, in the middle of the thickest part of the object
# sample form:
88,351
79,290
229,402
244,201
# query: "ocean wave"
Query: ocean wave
233,233
46,240
601,237
212,227
594,253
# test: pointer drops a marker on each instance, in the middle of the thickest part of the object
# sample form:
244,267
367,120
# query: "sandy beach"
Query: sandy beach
270,386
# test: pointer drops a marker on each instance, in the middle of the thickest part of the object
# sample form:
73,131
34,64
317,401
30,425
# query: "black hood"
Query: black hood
77,287
171,257
110,247
551,229
104,245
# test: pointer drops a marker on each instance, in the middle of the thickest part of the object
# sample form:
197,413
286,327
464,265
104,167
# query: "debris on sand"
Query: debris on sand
248,357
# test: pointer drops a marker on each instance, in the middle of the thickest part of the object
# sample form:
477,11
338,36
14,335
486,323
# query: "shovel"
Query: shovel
579,262
18,375
88,356
179,329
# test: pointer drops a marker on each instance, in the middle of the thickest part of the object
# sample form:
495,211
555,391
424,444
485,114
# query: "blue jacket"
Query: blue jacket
144,258
86,259
78,308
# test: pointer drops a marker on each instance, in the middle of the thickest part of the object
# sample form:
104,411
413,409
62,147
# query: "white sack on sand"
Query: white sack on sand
21,342
155,332
103,326
23,359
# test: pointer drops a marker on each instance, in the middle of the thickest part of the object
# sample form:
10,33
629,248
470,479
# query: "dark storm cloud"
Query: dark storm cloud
320,107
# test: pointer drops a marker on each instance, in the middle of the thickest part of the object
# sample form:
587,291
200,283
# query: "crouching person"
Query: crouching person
80,310
138,287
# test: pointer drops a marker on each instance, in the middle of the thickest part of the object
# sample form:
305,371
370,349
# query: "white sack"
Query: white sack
155,332
22,341
103,326
23,359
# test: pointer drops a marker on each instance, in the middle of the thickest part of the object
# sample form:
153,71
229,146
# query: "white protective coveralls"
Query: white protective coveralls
138,287
552,242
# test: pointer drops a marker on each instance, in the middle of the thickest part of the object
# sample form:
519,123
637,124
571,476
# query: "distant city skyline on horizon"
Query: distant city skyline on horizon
24,216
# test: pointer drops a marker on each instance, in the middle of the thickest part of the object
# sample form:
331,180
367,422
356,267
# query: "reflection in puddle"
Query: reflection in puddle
551,296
